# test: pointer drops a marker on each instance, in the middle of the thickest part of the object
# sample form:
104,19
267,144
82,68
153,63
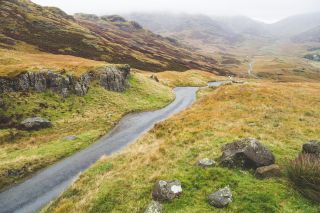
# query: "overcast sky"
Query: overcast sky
264,10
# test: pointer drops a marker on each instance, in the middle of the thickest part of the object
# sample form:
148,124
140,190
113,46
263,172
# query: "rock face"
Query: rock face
114,78
312,147
221,198
154,207
35,123
206,162
246,153
268,171
166,190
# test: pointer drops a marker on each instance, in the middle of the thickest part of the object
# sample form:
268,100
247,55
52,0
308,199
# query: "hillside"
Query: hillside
112,39
294,25
282,116
195,30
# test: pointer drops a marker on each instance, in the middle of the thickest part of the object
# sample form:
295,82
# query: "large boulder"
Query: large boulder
154,207
268,171
246,153
221,198
312,147
166,190
35,123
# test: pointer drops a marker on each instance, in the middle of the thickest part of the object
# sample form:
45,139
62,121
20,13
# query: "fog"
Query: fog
263,10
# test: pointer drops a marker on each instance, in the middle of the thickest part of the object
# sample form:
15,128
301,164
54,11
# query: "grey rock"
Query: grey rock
268,171
312,147
70,138
35,123
246,153
154,207
221,198
166,190
206,162
114,78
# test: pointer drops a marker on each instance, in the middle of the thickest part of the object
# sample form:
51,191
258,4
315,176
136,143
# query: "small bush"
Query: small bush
304,172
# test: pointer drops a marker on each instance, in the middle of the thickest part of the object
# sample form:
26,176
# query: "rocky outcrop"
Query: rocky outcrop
246,153
166,190
312,147
268,171
114,78
221,198
35,123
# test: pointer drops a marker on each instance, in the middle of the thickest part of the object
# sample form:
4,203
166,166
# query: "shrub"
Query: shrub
304,172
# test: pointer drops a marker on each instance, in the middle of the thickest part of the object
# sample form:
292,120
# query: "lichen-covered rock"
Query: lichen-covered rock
206,162
154,207
114,78
35,123
221,198
246,153
166,190
268,171
312,147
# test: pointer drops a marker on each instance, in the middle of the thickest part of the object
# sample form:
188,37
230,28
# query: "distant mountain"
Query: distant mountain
312,35
108,38
244,26
295,25
194,29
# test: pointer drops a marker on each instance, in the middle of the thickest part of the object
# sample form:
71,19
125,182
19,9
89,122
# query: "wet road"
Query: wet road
46,185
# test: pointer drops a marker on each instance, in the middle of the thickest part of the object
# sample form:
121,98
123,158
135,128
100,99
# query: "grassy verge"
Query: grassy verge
283,116
88,118
188,78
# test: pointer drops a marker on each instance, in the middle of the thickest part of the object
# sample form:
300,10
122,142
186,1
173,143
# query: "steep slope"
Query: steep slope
294,25
52,30
193,29
312,35
154,52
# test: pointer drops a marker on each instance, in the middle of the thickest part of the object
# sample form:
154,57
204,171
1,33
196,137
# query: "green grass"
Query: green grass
87,117
281,116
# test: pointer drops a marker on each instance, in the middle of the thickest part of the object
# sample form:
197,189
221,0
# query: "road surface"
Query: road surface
46,185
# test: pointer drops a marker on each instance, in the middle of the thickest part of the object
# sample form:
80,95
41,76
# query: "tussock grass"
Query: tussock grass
304,172
281,115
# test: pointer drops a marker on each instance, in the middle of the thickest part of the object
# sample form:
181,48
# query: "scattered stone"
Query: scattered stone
206,162
268,171
154,207
35,123
166,190
16,172
70,138
221,198
312,147
246,153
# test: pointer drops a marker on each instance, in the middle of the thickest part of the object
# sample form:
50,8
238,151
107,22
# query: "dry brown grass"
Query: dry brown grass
282,115
14,62
188,78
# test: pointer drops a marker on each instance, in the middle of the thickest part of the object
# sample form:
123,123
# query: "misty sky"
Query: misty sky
264,10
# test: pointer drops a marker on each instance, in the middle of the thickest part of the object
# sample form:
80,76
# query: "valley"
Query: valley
100,113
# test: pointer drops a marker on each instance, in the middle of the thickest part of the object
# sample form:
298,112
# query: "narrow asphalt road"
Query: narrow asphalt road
46,185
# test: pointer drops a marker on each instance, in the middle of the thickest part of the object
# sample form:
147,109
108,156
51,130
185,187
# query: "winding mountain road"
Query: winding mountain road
46,185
